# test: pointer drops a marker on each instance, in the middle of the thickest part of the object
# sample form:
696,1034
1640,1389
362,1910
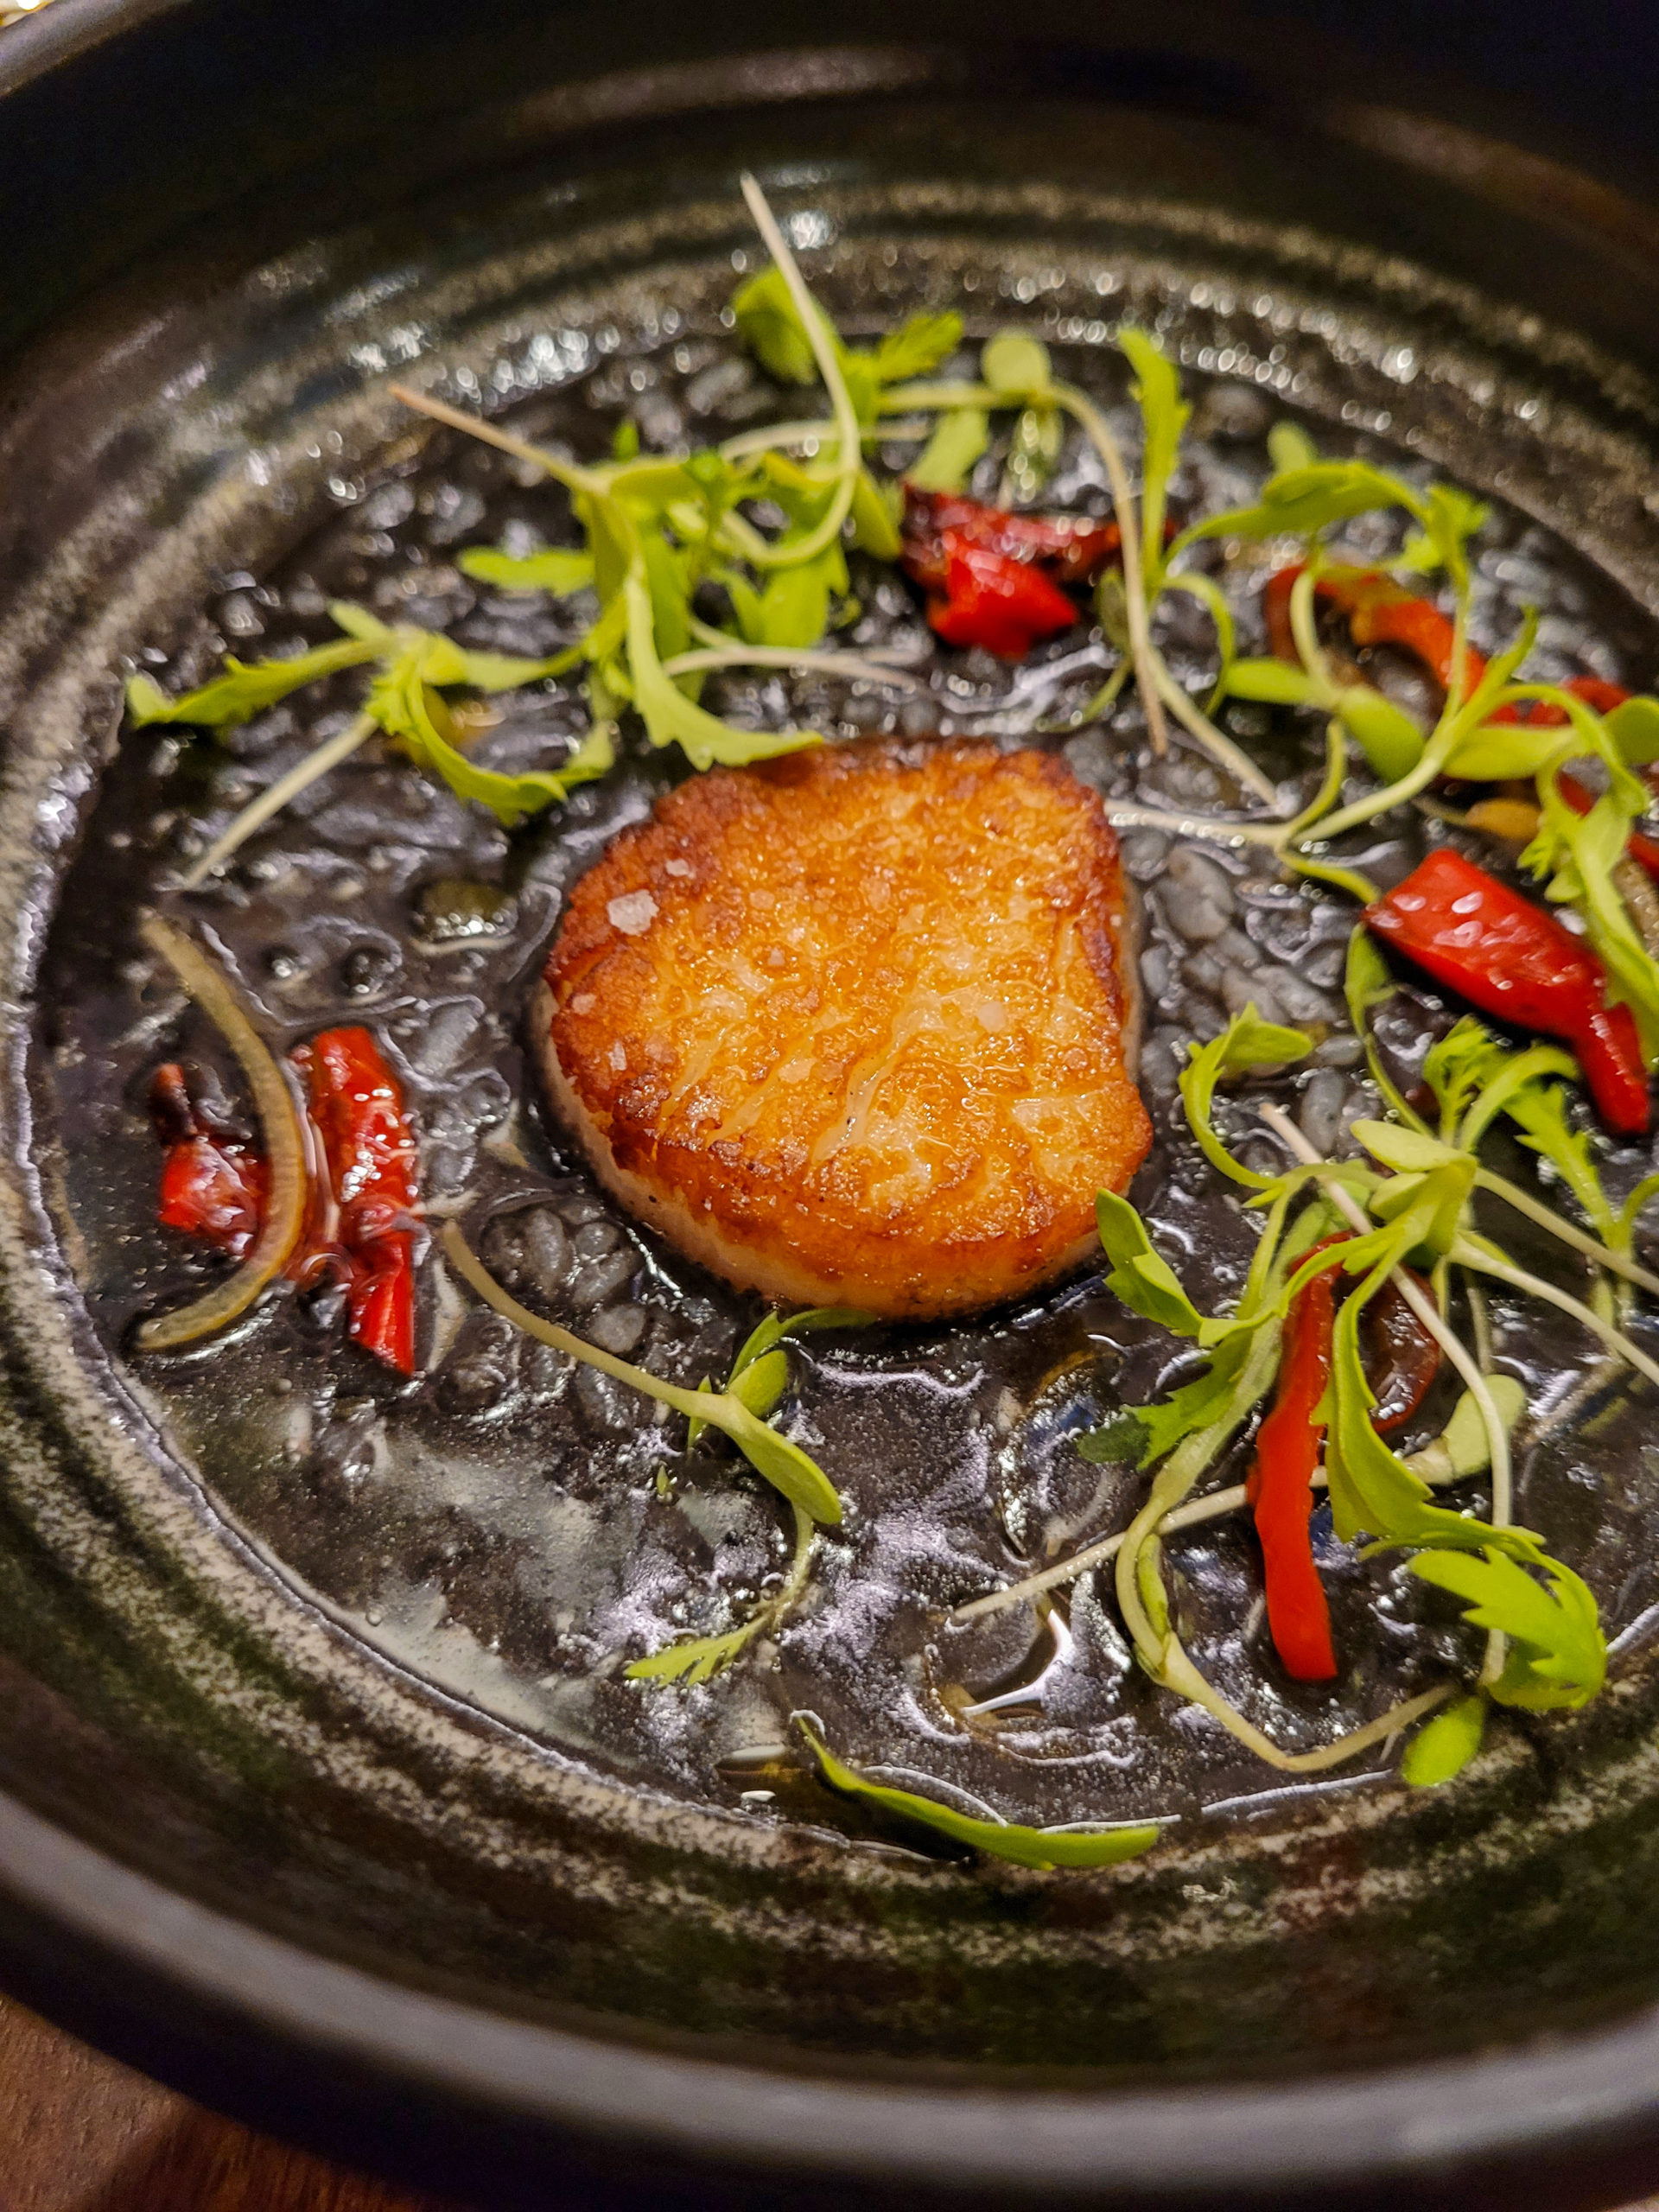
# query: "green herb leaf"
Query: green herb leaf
1385,734
1578,854
1147,1284
1463,1447
1247,1041
1300,502
401,700
1164,414
784,1466
1558,1657
960,436
556,568
1443,1745
760,1372
698,1659
672,719
1014,361
1044,1848
918,346
1275,683
1290,448
1199,1404
1034,450
770,327
1634,728
1450,520
246,688
1121,1439
875,518
1539,1111
1372,1489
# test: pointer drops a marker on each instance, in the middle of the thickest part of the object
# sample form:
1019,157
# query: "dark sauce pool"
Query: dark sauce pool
513,1531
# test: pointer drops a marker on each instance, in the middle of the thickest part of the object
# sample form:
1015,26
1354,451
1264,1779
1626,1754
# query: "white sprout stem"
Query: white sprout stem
1181,1676
474,426
1605,1256
1078,404
778,434
1216,1506
1214,830
1468,1367
852,666
847,424
1487,1263
276,796
1215,742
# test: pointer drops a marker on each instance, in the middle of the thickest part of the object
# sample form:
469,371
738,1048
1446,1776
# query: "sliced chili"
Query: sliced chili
1280,1486
992,578
1510,959
995,601
1401,1359
360,1228
1074,549
213,1183
357,1107
1380,612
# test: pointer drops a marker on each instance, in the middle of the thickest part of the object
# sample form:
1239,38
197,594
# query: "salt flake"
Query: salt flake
632,913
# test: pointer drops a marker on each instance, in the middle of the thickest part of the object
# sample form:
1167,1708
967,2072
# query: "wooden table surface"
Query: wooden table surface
79,2133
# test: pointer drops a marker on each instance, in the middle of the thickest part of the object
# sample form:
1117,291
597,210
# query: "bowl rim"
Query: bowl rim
1594,2093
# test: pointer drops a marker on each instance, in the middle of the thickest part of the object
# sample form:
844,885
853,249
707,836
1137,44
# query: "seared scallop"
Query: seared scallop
854,1027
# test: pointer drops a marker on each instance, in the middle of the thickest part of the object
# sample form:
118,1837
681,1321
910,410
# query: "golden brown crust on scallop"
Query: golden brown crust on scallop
850,1027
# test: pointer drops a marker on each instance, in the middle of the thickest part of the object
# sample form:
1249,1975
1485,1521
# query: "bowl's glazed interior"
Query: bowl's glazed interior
323,1673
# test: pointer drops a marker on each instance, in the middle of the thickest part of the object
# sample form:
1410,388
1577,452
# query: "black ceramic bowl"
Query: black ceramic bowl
241,1848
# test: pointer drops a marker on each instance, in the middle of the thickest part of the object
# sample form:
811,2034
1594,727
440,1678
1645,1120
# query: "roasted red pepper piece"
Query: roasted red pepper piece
993,600
1380,613
992,578
1401,1359
212,1182
1073,550
1511,959
1543,713
1280,1486
370,1152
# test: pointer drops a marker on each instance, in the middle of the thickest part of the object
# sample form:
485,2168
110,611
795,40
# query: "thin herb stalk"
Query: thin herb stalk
317,762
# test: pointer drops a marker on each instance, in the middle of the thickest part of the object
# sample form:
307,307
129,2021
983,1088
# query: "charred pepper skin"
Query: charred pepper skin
992,578
357,1107
1381,612
213,1186
213,1183
1510,959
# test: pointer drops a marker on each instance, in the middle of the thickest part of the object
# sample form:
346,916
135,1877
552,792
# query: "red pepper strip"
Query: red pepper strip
1280,1486
1380,613
1073,549
1510,958
992,600
1401,1359
358,1112
1543,713
213,1186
